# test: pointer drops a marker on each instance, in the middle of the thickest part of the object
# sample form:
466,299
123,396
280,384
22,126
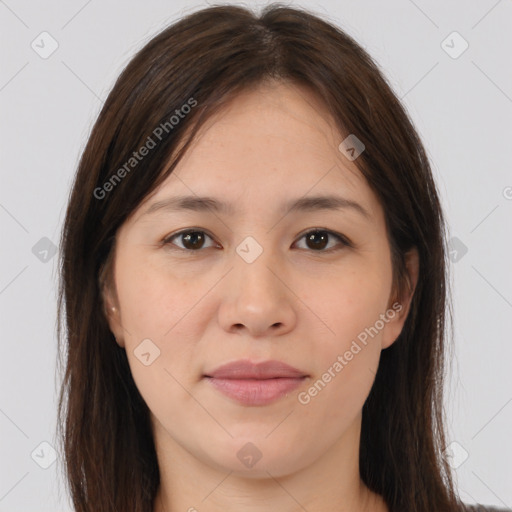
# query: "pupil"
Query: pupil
319,234
193,236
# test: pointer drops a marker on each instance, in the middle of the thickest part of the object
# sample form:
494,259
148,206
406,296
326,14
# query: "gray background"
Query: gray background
462,108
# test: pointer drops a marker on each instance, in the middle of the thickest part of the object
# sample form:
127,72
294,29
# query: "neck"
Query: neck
330,483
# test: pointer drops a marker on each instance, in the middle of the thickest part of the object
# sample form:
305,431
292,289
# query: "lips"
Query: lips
255,383
244,369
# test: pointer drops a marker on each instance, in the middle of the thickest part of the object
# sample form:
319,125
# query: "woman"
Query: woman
253,275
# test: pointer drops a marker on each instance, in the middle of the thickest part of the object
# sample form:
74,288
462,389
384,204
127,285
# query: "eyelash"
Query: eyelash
345,242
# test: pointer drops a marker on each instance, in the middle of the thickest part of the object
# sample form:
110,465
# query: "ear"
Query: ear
111,308
399,307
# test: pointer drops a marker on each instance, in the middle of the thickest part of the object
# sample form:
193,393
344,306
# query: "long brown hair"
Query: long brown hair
203,61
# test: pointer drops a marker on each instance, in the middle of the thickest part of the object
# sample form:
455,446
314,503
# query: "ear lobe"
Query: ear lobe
112,314
108,293
402,305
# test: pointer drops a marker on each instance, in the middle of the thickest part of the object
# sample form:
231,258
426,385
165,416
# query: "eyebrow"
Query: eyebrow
303,204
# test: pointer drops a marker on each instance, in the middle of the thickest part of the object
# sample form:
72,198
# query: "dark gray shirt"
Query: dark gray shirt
483,508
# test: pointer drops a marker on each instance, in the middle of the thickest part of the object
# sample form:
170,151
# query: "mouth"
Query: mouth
255,384
256,391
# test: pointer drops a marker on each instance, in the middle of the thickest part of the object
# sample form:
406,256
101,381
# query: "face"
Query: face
196,288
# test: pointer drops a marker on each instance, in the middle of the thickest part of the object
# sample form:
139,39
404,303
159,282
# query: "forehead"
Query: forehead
279,125
269,144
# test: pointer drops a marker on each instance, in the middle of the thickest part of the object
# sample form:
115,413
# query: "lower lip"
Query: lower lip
256,392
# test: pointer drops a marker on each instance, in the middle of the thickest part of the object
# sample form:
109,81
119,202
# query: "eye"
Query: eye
193,240
317,240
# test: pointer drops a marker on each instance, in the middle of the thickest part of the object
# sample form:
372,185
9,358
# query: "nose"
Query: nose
257,299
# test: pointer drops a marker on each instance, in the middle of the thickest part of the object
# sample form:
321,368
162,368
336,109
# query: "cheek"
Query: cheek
350,304
347,354
154,302
345,370
160,323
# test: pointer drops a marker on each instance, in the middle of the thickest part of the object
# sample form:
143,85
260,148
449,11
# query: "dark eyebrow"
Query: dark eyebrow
312,203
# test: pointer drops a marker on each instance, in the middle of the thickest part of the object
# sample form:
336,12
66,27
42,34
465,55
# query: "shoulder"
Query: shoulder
483,508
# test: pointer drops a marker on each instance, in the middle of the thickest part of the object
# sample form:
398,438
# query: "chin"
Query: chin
257,457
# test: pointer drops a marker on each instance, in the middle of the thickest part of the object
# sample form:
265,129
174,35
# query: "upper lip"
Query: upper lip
245,369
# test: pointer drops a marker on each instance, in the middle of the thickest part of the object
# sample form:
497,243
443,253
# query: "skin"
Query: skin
296,303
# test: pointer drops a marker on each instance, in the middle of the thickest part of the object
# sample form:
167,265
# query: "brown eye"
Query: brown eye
317,240
192,240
